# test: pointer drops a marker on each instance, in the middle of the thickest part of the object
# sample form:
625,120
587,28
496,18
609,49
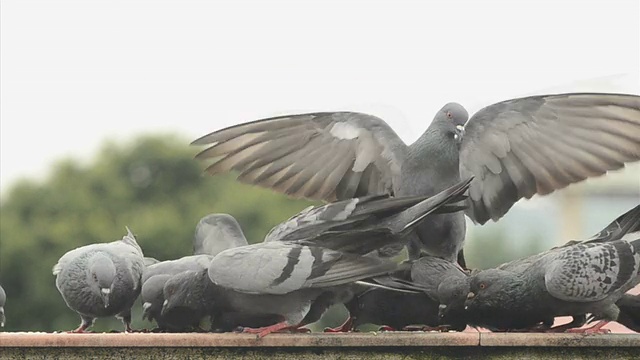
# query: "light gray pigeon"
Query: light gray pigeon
153,280
299,276
101,280
217,232
514,149
572,280
148,261
3,301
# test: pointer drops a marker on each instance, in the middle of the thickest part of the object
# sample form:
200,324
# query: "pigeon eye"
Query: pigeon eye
449,114
95,277
482,286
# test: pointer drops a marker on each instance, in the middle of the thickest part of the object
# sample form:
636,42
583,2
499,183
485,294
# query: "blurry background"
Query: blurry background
99,101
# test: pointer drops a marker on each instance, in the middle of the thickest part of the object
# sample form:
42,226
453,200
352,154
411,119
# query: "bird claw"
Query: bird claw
595,329
589,331
266,330
386,328
347,326
439,328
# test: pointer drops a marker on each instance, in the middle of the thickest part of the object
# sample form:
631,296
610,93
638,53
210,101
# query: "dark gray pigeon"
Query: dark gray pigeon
3,301
214,233
396,310
296,278
153,281
101,280
629,316
514,149
189,299
217,232
572,280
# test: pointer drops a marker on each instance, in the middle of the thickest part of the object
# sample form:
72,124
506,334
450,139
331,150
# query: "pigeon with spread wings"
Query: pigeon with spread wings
514,149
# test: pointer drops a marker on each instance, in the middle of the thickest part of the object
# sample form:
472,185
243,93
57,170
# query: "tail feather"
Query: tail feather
626,224
411,217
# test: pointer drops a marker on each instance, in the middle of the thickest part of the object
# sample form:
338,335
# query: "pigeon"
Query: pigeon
629,316
214,233
148,261
571,280
153,281
410,311
217,232
101,280
3,300
301,272
188,299
514,149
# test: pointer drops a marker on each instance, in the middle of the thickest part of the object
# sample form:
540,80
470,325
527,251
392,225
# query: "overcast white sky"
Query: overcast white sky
76,72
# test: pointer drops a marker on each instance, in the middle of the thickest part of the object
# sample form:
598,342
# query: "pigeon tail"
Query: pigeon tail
414,215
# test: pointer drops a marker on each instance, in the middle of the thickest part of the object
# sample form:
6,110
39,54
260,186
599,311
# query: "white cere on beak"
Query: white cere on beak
105,291
165,303
146,305
460,132
442,306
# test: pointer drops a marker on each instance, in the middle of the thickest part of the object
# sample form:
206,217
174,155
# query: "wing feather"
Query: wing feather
320,156
536,145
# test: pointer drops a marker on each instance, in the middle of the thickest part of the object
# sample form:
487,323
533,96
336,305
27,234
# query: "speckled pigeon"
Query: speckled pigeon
300,274
101,280
3,301
572,280
515,149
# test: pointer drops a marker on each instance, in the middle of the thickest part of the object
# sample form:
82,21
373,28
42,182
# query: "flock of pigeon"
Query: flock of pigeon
383,196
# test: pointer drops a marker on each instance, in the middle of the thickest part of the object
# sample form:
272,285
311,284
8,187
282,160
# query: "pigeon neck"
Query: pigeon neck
432,163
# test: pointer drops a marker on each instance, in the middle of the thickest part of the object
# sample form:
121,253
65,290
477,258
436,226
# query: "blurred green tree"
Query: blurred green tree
152,184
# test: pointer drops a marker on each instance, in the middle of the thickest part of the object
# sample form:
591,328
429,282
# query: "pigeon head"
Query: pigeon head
3,300
152,295
217,232
185,290
102,274
450,121
492,288
452,293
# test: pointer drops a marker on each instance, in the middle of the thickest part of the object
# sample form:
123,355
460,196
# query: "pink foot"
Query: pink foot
425,328
346,327
266,330
595,329
386,328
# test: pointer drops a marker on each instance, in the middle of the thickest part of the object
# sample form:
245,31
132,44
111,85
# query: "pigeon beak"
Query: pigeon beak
459,133
470,295
145,311
442,310
104,292
165,307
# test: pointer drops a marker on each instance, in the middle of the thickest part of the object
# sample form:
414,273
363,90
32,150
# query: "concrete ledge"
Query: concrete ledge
393,345
395,339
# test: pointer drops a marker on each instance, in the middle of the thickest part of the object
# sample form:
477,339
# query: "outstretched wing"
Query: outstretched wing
539,144
591,272
320,156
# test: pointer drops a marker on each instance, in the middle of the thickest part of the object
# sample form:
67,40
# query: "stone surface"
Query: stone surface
392,345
